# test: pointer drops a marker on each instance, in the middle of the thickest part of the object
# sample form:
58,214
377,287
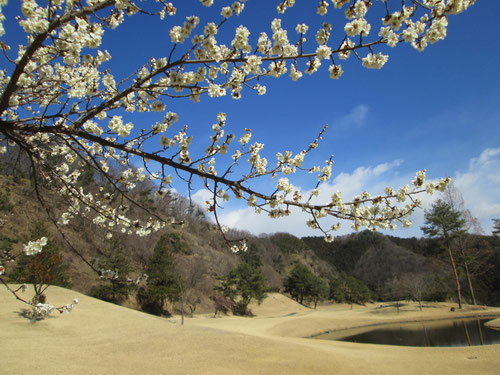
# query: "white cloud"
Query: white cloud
480,186
201,196
362,179
356,117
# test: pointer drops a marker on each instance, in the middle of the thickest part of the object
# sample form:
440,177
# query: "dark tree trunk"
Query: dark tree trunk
459,292
469,281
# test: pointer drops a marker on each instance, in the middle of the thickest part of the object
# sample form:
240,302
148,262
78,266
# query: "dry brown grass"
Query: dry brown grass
101,338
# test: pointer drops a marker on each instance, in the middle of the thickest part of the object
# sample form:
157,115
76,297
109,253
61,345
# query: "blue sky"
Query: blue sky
437,110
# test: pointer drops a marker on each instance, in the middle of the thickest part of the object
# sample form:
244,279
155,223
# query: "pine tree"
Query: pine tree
244,283
163,282
303,285
319,290
496,227
445,223
348,289
297,282
115,284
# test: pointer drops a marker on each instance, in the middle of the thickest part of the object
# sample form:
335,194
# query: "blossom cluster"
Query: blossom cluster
35,247
41,310
62,103
242,247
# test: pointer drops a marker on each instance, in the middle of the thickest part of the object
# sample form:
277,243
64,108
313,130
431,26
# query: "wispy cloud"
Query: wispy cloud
355,118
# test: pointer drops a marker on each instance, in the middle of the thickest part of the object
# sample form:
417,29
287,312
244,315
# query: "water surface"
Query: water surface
461,332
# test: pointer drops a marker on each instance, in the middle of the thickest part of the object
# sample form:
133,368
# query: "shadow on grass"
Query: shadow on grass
30,315
391,305
401,307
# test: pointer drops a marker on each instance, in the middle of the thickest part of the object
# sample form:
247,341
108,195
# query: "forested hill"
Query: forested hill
386,263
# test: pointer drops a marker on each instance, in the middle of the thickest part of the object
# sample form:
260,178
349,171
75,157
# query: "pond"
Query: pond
462,332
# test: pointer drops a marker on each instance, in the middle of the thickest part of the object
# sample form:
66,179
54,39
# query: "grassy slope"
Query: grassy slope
102,338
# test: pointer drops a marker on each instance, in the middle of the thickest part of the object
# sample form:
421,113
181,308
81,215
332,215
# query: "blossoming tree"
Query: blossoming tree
62,105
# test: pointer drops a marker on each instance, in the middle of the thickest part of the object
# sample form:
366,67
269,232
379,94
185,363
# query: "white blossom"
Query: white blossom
375,61
335,71
35,247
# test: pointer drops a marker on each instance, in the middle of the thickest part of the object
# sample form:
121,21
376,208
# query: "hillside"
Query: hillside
388,265
200,253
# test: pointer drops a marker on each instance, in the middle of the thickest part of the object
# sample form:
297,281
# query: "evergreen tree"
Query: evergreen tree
244,283
445,223
297,282
115,283
303,285
251,256
348,289
319,290
163,282
496,227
